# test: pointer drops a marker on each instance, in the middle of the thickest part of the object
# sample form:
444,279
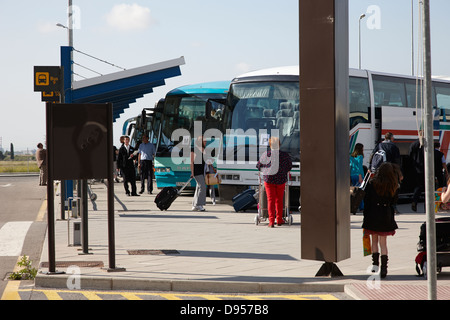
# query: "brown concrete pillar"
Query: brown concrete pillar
324,132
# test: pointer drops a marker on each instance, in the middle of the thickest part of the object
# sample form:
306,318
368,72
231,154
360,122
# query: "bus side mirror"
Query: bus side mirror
214,109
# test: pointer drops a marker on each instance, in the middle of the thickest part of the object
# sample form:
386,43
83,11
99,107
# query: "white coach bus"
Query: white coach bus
261,101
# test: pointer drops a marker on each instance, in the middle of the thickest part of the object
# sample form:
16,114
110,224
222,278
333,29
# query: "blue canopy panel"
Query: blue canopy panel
125,87
121,88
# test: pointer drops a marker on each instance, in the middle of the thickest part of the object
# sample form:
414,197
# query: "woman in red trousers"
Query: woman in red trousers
275,165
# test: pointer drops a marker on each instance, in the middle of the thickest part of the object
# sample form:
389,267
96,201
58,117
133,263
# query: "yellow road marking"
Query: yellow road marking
42,211
249,297
94,295
52,295
209,297
169,296
91,295
130,296
301,297
11,291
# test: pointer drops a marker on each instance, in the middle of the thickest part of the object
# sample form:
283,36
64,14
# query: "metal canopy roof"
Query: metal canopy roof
121,88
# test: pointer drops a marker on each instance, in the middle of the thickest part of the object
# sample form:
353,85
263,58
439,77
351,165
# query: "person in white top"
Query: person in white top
145,164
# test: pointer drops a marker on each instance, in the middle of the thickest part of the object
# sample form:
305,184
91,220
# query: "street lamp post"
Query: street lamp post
70,33
412,37
70,20
359,22
63,95
429,155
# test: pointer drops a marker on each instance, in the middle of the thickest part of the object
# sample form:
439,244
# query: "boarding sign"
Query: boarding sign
47,79
50,96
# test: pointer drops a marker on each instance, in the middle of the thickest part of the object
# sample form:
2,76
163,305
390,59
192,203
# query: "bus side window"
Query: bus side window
413,94
392,90
443,101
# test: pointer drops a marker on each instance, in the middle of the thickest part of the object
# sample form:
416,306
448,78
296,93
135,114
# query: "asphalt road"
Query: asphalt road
22,229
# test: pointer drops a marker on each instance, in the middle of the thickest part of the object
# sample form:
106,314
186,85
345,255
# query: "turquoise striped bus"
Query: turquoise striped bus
183,108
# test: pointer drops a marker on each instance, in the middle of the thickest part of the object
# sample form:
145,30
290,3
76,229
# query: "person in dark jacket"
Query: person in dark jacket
379,222
126,162
41,159
416,154
388,145
440,166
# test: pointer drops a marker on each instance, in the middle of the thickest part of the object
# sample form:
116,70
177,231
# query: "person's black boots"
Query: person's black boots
384,261
375,261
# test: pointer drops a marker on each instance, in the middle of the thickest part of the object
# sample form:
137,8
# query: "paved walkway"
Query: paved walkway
223,251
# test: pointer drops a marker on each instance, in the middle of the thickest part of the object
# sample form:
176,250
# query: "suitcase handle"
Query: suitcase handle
365,181
185,185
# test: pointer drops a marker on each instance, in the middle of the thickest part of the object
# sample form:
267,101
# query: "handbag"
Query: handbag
212,179
357,194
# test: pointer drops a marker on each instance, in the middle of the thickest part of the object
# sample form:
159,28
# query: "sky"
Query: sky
218,39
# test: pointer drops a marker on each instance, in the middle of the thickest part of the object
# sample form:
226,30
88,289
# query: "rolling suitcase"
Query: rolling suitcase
252,191
167,196
244,200
442,246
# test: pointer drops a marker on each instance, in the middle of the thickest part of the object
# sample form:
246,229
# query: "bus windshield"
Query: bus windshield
185,108
183,111
267,106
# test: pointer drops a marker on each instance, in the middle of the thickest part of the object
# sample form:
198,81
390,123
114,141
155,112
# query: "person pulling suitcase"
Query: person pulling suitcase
198,173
